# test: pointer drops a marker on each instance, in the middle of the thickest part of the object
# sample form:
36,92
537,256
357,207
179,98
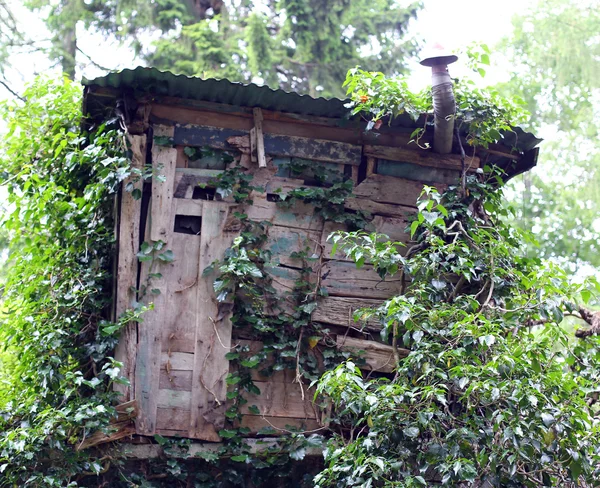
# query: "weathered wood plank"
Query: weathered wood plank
415,172
118,430
147,370
378,357
153,451
281,400
377,208
186,179
392,227
260,141
164,162
274,144
175,380
205,135
387,189
316,149
176,110
179,325
342,278
284,241
185,206
254,347
174,399
340,311
279,424
213,332
420,156
300,216
177,361
127,268
173,419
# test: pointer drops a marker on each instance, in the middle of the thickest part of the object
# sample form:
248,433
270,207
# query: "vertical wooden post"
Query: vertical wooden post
260,138
213,333
128,244
164,164
147,373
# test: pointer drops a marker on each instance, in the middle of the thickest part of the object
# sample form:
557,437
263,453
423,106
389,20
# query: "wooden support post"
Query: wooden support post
371,165
127,268
147,372
164,164
213,333
259,141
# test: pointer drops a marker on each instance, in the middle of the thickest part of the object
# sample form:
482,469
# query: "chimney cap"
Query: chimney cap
436,55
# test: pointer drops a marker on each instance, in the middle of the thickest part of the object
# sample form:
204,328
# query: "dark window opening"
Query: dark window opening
205,193
188,224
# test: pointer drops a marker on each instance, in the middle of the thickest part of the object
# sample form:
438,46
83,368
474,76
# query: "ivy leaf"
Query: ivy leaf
298,454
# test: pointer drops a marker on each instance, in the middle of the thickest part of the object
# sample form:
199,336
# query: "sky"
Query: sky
452,23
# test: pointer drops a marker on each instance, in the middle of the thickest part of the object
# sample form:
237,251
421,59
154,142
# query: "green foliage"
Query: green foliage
485,113
300,45
555,53
60,186
481,397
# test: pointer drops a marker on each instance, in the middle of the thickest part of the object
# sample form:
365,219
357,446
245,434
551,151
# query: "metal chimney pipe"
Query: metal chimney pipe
444,105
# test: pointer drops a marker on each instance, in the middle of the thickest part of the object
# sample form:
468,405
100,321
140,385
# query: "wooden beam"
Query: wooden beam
388,189
378,357
259,138
213,332
421,156
340,311
153,451
344,279
120,427
127,267
275,144
164,162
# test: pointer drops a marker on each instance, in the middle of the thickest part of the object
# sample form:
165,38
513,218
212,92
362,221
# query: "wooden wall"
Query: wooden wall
175,359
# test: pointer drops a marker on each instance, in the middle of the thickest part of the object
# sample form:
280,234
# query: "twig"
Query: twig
463,176
99,66
298,378
14,93
456,289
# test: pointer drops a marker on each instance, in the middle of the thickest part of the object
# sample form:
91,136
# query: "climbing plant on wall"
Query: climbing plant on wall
56,348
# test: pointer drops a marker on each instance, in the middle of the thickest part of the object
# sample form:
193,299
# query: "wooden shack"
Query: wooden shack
181,128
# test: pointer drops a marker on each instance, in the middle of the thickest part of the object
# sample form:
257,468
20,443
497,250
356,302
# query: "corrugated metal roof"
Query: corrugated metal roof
163,83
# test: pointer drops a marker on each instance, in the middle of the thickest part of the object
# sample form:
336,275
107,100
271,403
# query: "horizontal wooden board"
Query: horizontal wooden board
393,228
415,172
177,419
175,380
176,110
284,241
205,135
187,206
340,311
279,424
378,357
174,399
342,278
275,144
187,179
179,361
367,205
281,400
387,189
316,149
300,216
425,157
